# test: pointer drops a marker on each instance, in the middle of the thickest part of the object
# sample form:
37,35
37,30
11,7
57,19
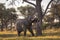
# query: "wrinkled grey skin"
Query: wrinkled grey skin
23,25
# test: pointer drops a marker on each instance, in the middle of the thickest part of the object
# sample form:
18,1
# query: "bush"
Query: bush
44,26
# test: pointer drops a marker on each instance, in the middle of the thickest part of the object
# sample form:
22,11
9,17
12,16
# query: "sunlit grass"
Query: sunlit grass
31,38
49,34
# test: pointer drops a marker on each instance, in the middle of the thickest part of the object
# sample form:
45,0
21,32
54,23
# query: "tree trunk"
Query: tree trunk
39,22
11,25
2,25
6,25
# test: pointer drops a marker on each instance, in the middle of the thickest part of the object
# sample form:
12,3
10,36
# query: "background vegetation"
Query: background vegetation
48,25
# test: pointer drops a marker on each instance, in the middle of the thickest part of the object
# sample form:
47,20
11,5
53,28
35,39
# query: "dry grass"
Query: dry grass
48,34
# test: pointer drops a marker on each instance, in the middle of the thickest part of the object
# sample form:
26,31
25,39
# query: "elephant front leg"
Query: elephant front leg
25,29
18,33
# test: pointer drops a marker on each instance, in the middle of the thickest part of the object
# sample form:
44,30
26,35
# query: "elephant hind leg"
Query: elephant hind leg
19,33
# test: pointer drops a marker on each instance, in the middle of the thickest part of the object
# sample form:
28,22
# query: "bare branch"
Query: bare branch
47,7
30,3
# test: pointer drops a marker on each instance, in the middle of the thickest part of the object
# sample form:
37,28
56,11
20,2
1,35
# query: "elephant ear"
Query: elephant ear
26,22
30,18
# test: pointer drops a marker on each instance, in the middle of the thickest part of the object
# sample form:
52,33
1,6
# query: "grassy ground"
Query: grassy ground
49,34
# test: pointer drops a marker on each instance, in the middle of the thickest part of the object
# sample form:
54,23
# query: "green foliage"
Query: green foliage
7,15
27,10
55,14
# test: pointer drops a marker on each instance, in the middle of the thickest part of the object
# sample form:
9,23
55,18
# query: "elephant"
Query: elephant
23,25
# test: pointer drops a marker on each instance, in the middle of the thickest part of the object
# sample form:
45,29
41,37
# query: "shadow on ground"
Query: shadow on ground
12,35
51,34
8,35
15,35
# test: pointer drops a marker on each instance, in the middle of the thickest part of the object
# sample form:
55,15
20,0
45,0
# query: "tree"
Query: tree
56,7
6,15
40,14
2,7
11,16
54,12
27,10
